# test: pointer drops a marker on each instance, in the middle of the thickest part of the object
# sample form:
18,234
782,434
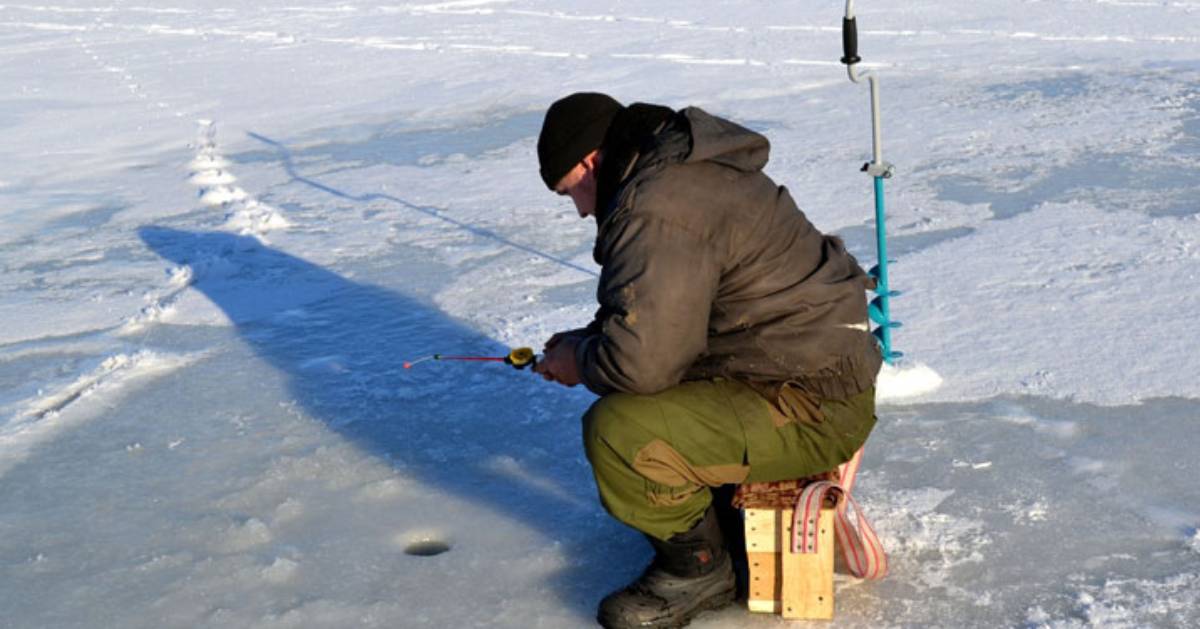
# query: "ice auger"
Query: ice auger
880,307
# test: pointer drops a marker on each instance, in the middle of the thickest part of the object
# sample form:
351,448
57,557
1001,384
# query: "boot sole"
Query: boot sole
717,601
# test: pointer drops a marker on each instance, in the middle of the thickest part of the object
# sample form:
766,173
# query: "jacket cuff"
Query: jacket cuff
585,358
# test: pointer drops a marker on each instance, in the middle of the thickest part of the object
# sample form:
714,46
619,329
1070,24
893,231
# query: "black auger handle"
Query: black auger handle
850,41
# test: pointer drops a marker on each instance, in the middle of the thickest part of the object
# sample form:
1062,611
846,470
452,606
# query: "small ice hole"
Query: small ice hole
427,548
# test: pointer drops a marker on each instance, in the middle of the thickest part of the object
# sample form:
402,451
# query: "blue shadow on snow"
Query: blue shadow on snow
459,428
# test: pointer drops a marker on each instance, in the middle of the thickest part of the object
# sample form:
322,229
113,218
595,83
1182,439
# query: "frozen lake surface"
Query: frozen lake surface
225,228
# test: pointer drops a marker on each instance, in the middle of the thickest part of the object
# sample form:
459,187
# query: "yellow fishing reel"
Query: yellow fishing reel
521,358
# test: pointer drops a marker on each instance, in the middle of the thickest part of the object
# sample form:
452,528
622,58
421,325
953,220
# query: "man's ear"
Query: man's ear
593,159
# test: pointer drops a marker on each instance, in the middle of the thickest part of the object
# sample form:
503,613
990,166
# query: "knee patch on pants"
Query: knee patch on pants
629,442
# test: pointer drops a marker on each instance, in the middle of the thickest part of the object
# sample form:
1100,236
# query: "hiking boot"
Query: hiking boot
691,573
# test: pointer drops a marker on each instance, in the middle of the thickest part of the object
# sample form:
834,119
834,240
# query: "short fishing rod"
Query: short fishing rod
518,358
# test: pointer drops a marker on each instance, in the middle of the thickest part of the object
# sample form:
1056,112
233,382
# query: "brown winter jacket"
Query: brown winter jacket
710,270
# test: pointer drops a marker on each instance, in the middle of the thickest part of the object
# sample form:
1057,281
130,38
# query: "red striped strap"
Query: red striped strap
848,471
860,546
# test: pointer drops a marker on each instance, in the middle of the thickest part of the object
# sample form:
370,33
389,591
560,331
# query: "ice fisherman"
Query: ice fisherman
731,343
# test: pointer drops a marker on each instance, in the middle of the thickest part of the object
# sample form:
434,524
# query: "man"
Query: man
731,344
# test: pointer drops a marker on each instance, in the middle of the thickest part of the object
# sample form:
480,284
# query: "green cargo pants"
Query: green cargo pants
654,456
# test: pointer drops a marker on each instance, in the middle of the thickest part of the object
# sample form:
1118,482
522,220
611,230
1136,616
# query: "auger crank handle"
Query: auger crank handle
850,41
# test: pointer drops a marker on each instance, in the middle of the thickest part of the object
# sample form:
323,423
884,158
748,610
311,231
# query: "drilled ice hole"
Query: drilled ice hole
424,541
426,547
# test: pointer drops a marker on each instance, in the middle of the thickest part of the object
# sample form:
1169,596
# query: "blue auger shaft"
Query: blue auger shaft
882,288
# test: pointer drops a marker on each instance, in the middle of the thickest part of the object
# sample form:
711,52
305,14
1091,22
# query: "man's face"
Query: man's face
580,185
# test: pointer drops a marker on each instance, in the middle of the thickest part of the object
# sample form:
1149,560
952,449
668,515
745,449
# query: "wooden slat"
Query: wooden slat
807,579
762,553
764,582
762,607
762,530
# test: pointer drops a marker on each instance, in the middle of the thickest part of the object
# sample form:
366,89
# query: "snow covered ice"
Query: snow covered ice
226,227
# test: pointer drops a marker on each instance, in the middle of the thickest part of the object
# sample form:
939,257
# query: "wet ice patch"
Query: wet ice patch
1015,414
925,543
1126,604
52,412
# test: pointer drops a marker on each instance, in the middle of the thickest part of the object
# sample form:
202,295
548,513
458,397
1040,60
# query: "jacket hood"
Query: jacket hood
723,142
644,138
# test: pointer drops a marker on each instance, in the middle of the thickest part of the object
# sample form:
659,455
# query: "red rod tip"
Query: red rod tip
407,365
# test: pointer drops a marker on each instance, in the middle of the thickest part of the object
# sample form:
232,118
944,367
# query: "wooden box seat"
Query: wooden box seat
795,585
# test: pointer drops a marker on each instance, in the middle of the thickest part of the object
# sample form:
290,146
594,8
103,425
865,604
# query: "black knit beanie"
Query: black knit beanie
574,126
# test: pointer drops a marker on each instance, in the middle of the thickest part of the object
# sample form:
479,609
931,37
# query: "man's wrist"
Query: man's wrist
582,351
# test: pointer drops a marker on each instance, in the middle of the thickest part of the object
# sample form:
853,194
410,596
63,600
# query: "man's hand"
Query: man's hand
558,359
558,336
